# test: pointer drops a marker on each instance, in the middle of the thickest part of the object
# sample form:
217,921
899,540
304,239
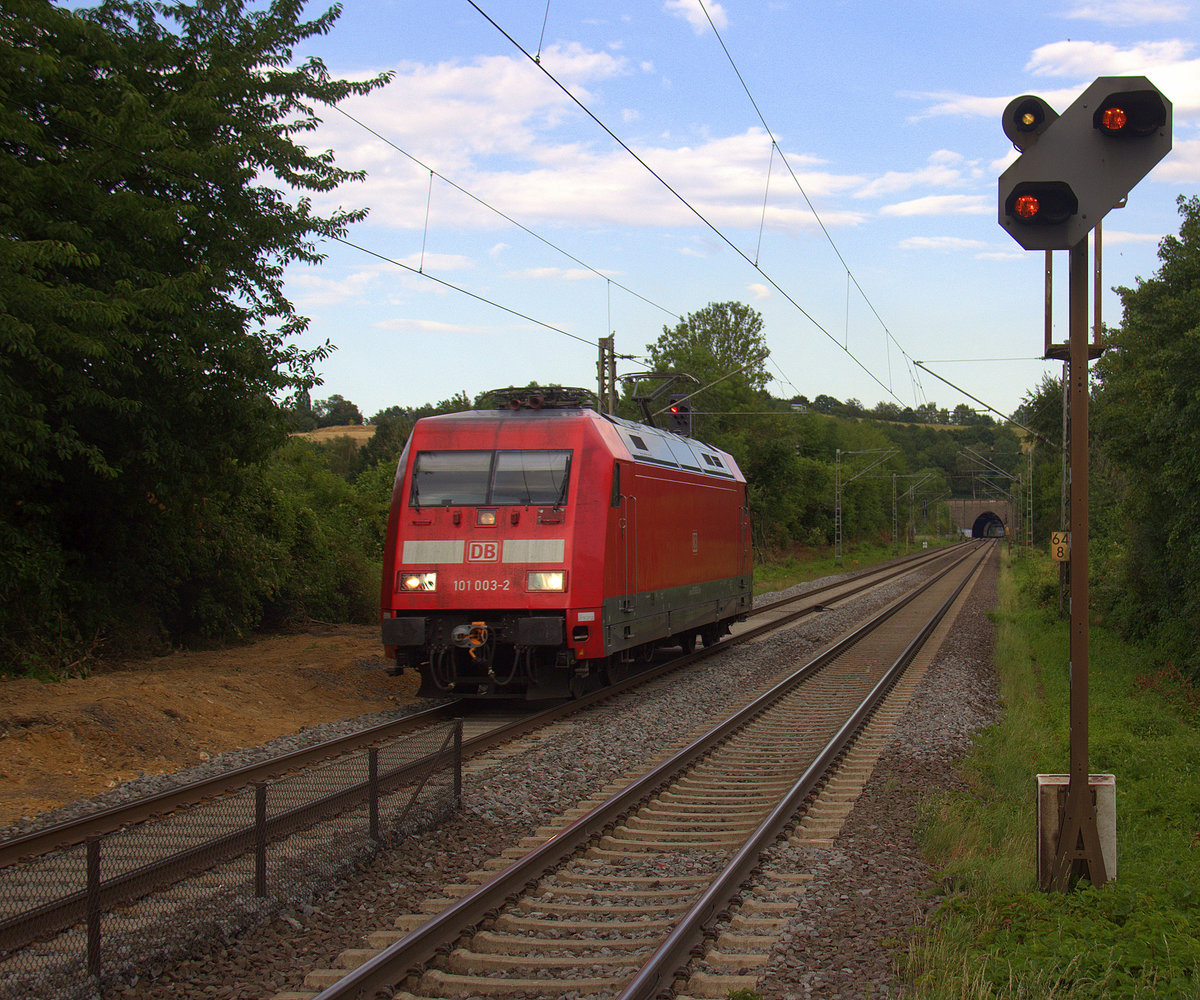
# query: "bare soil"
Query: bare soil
60,742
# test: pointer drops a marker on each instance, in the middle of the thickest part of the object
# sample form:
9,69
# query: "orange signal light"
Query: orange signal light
1114,119
1027,206
1134,114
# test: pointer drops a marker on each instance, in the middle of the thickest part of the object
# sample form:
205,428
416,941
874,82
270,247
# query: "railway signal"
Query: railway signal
1049,203
1026,118
1074,168
679,420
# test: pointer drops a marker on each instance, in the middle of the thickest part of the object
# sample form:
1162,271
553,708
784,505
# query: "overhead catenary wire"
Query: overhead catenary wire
796,180
988,406
507,218
464,291
549,326
682,200
389,260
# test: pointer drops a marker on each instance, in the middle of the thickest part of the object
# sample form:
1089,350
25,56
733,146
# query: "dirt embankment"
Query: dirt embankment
71,740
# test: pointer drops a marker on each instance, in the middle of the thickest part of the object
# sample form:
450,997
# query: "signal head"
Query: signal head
1074,169
680,421
1042,203
1130,114
1026,118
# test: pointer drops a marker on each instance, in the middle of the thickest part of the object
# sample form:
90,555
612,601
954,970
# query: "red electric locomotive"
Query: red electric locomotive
541,548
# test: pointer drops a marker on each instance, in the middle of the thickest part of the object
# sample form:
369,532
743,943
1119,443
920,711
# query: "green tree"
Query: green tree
1147,422
1041,410
962,414
336,412
722,346
151,156
722,339
298,411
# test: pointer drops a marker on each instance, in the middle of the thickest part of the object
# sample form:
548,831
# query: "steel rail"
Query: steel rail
677,949
385,969
60,914
71,833
871,578
44,920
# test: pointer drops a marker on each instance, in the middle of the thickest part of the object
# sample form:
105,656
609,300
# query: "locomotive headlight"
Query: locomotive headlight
421,581
546,580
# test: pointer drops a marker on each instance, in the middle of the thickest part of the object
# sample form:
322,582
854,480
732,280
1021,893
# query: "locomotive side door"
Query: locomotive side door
626,546
744,538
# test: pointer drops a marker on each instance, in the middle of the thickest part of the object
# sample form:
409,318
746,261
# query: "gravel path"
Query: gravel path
877,889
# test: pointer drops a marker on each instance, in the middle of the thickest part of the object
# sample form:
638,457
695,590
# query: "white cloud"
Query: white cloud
407,325
692,12
493,127
314,290
1166,64
940,243
941,204
954,105
944,169
1082,60
437,262
1182,164
759,291
1125,13
1003,255
555,273
450,112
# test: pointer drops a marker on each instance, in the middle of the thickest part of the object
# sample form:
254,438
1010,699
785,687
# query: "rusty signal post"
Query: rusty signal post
1073,169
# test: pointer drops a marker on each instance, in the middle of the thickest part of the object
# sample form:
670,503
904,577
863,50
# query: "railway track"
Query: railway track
588,906
503,724
65,845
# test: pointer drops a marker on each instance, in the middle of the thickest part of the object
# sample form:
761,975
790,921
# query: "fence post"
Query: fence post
260,839
458,741
373,790
93,906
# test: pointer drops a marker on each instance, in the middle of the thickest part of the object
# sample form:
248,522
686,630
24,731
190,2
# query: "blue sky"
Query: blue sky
866,235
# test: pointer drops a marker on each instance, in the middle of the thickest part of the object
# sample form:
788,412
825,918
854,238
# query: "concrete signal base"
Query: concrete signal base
1051,804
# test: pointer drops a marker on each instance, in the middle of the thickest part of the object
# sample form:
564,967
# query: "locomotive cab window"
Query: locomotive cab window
490,478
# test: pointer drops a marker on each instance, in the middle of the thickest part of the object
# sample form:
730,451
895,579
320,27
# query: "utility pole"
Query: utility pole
606,375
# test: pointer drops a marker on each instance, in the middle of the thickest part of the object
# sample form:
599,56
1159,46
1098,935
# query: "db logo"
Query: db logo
483,551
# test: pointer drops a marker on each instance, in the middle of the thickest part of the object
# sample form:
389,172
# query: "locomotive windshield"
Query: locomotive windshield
489,478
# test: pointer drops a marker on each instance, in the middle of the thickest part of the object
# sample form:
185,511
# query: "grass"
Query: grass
779,573
997,937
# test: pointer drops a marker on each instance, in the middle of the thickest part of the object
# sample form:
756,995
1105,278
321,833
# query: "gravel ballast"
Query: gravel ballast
875,887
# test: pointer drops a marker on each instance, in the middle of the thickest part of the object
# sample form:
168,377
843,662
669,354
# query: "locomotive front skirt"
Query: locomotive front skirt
538,551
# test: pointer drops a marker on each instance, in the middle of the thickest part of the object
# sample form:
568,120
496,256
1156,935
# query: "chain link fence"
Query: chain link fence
77,922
